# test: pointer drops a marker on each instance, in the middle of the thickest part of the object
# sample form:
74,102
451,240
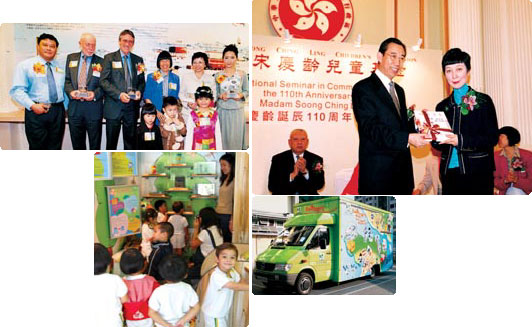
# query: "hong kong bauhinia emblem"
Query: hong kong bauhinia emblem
327,20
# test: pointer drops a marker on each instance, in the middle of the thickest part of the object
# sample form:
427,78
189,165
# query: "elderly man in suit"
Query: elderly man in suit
82,86
123,83
384,128
296,171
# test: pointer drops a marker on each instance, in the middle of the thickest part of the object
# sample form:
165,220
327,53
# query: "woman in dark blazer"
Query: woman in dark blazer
467,162
161,83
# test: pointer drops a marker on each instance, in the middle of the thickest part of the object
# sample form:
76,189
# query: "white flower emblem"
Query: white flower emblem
316,9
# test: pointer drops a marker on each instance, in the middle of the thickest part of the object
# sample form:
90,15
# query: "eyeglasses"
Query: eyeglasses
395,57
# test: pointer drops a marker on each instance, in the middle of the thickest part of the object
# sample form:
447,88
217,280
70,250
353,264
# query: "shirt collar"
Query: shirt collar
159,244
227,274
82,55
42,60
384,79
135,277
516,152
122,54
196,78
300,155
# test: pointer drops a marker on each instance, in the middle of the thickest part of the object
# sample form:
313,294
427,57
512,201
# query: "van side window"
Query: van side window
322,232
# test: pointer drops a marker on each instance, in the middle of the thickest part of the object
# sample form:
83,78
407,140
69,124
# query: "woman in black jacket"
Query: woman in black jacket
467,162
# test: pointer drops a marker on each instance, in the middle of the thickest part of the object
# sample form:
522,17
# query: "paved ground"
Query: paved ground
384,284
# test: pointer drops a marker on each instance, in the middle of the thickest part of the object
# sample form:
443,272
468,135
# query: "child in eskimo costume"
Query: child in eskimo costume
203,123
173,127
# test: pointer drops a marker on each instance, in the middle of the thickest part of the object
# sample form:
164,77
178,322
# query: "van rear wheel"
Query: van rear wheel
304,283
373,272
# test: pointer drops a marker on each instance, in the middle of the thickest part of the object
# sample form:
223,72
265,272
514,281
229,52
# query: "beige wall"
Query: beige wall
7,44
434,34
374,19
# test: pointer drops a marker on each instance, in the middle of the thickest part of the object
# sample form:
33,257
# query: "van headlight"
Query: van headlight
283,266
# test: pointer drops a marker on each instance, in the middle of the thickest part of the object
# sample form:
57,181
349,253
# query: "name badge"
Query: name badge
96,73
172,86
117,64
73,64
204,121
59,70
149,136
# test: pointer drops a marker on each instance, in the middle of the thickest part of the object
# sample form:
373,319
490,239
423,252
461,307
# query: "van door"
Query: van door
320,258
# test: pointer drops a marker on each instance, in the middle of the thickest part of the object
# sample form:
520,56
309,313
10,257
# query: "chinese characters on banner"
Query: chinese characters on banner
307,84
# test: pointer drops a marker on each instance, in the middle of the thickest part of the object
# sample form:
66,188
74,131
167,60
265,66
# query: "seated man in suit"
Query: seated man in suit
123,83
82,85
296,171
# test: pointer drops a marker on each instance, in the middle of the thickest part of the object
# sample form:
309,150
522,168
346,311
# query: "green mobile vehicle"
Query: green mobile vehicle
334,239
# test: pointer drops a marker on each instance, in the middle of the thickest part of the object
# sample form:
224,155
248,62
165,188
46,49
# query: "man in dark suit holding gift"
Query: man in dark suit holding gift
296,171
82,85
123,82
384,128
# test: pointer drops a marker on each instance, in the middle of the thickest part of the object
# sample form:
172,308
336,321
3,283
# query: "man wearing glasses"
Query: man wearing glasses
123,82
82,86
384,128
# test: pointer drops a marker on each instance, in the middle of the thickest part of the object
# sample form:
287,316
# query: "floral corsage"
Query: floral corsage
220,78
469,102
97,68
517,164
410,111
38,68
140,68
317,167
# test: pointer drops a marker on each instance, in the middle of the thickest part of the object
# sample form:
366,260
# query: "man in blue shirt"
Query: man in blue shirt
38,86
123,83
82,86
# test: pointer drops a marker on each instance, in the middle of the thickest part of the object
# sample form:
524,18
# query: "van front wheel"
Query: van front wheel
304,283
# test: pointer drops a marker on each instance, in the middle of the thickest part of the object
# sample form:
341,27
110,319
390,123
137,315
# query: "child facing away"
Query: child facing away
160,247
148,134
175,303
217,297
180,224
109,291
150,219
162,210
203,123
139,289
173,128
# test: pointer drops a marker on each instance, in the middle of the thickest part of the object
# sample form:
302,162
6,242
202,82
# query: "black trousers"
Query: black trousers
80,126
128,120
45,131
224,223
454,183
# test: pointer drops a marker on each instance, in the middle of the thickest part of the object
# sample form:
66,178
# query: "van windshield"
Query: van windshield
298,235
